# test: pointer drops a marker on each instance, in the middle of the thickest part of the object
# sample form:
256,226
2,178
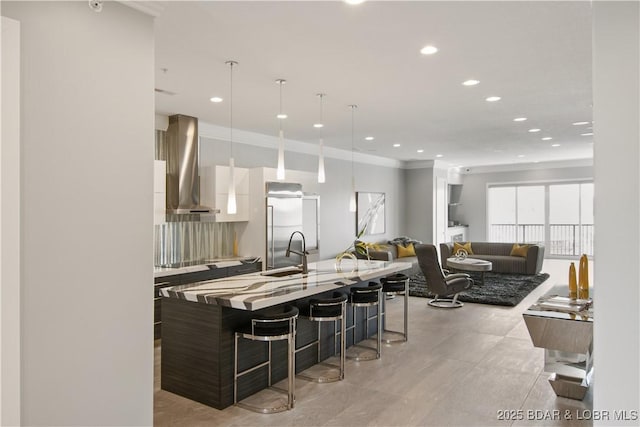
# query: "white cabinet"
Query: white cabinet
159,191
214,191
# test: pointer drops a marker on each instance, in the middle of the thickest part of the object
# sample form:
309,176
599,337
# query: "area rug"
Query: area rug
498,288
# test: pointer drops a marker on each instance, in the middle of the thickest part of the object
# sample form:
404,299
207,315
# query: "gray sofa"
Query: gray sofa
390,253
499,255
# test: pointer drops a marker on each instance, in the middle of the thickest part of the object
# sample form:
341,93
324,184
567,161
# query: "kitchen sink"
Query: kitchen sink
282,273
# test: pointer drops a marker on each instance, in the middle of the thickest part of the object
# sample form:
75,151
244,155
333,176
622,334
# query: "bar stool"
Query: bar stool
367,296
397,284
274,325
328,310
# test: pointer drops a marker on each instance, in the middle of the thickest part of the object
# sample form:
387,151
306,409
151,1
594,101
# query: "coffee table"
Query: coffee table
470,264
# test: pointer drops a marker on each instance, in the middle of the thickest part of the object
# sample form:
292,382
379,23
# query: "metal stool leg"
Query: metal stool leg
291,373
405,332
339,316
380,330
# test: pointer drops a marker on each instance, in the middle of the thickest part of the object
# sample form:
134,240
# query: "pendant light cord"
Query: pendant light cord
231,64
280,82
321,95
353,107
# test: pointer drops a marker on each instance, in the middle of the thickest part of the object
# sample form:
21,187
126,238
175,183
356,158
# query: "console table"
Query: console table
567,338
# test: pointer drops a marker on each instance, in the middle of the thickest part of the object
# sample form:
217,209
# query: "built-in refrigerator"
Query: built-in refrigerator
284,216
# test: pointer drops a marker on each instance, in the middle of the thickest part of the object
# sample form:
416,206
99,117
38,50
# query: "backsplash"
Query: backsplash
180,242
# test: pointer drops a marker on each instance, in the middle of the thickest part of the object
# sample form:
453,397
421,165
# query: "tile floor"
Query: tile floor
460,368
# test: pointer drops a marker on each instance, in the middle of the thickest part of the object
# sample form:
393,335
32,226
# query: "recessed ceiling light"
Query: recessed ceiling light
428,50
555,145
534,130
521,155
396,145
519,119
493,99
587,134
547,138
420,150
318,125
354,2
369,138
282,116
470,82
215,99
439,155
579,123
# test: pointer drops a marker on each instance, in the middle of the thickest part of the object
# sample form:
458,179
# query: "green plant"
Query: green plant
360,247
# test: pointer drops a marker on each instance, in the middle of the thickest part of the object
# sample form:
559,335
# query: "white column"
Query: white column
616,100
10,225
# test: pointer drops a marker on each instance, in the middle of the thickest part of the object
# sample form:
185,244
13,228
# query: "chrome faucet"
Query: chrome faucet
302,254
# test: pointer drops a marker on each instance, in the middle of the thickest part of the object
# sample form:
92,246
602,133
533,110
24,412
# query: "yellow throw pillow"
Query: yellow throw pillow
519,250
457,246
408,251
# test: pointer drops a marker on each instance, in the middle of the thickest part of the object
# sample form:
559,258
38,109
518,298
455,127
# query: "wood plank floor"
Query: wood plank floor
460,368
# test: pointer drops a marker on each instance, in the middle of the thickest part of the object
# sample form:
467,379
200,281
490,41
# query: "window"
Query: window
516,214
560,215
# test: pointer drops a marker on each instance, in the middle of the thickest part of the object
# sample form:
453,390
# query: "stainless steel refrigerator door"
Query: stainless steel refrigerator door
284,216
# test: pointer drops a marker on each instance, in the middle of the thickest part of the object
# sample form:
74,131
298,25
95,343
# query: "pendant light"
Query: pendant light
281,116
352,198
320,125
231,199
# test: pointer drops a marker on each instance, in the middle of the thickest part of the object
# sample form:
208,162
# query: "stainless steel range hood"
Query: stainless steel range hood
183,182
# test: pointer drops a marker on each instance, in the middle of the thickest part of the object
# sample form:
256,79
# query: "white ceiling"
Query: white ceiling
535,55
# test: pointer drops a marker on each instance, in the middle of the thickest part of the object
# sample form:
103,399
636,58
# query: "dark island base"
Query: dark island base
198,346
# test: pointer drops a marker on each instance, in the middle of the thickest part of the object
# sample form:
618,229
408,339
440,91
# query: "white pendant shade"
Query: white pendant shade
280,172
320,125
352,198
321,177
232,207
231,199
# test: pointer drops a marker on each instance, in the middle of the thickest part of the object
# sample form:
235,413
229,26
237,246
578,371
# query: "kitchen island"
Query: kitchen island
196,271
199,321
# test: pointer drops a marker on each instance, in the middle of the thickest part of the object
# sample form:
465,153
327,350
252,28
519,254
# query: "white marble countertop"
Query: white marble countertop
254,291
206,265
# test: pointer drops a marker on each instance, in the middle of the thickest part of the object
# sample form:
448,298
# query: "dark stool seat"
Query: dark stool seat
327,310
272,325
367,296
397,284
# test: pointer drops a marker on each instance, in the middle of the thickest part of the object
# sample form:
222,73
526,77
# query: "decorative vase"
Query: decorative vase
341,256
235,244
573,285
583,278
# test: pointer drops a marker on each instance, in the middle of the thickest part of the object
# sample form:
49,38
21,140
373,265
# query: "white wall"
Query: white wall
337,224
87,213
473,198
10,225
616,102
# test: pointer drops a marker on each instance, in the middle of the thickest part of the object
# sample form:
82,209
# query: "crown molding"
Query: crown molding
513,167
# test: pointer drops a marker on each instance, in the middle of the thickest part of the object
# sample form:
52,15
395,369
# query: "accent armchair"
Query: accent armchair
439,283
